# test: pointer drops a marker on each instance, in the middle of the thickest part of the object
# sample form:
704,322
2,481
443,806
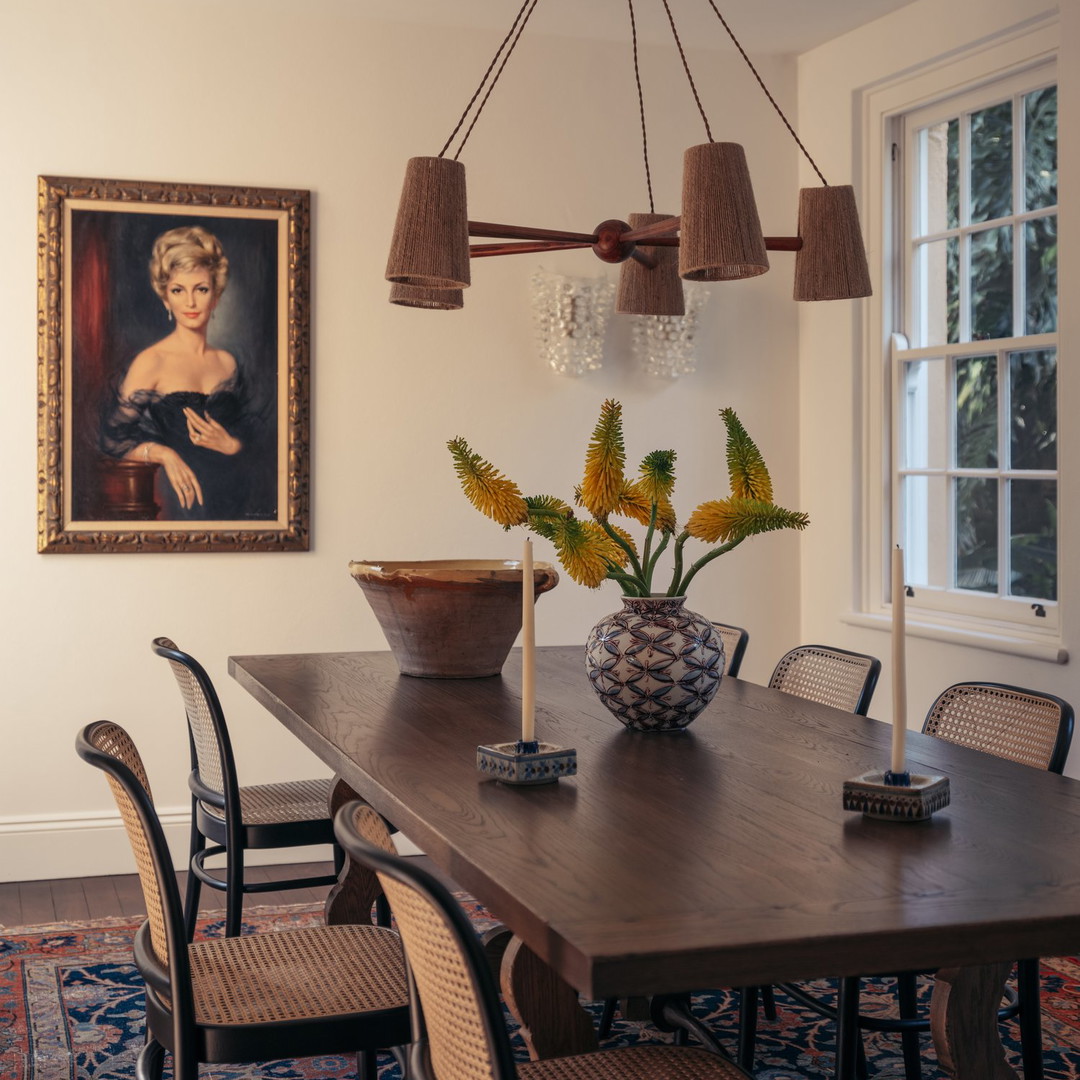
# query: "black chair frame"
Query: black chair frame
232,836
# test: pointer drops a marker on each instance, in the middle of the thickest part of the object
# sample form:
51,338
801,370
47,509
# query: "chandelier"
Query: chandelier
716,237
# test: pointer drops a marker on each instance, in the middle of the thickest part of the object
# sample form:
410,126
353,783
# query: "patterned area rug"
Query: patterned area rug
71,1008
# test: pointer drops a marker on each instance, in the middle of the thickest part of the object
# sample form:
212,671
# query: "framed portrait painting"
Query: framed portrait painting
173,337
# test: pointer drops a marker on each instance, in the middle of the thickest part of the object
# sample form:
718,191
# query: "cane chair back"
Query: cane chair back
458,1028
1026,726
845,680
112,742
289,993
735,640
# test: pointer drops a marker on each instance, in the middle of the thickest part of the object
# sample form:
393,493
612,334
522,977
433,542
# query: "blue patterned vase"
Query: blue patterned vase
655,664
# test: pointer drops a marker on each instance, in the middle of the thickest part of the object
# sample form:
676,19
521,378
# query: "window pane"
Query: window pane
976,521
1033,539
939,157
938,275
976,412
1040,245
991,284
923,535
922,441
1040,148
991,162
1033,423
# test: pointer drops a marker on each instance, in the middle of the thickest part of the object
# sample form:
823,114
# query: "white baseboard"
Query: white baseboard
95,844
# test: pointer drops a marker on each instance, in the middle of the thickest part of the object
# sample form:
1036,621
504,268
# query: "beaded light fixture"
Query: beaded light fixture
718,234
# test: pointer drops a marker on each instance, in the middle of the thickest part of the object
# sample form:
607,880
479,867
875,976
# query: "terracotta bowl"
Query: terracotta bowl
449,618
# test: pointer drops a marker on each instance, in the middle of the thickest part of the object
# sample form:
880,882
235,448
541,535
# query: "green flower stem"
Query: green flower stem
705,560
650,566
631,586
646,562
676,577
627,548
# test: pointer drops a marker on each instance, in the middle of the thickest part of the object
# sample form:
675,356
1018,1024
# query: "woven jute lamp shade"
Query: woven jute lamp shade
655,290
430,247
418,296
831,264
720,236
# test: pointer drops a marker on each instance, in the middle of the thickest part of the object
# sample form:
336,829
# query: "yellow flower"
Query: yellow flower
587,552
746,468
486,488
604,463
735,519
635,503
658,475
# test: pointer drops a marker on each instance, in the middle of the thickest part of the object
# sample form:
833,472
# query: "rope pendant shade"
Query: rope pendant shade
430,247
720,238
420,297
651,290
831,264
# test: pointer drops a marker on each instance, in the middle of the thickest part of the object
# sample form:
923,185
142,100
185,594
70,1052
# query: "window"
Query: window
973,361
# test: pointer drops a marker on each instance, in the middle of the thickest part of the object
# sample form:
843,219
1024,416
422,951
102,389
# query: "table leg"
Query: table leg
357,888
553,1023
963,1021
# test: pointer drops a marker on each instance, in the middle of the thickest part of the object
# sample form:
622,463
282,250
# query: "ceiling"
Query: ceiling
763,26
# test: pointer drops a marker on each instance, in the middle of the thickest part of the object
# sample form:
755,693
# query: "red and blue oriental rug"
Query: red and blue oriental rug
71,1008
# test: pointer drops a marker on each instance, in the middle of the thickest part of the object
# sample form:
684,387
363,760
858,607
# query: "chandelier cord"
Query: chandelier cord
483,81
686,68
761,83
509,51
641,107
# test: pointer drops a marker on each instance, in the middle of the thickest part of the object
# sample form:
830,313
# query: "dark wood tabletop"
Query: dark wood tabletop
720,856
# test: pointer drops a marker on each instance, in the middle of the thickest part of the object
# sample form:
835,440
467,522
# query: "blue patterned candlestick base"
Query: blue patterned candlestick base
526,763
872,795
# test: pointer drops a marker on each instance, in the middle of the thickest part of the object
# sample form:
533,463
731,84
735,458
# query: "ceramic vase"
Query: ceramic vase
655,664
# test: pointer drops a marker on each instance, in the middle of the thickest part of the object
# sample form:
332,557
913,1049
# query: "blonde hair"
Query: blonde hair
187,248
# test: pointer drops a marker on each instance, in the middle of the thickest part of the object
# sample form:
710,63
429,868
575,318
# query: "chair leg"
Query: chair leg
367,1065
907,992
848,1036
748,1009
194,885
606,1017
151,1061
768,1003
382,911
234,891
1027,989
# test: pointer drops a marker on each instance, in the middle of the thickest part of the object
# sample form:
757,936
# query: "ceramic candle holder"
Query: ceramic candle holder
526,763
877,795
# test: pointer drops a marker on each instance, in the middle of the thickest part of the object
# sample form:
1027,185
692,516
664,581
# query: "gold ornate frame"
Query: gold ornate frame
61,527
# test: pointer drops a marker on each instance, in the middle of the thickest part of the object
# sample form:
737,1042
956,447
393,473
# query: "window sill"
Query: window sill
1050,651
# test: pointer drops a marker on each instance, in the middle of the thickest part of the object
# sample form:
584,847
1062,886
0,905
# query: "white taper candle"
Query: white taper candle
528,646
899,662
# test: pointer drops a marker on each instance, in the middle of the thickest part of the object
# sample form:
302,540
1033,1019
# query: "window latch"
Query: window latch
1040,611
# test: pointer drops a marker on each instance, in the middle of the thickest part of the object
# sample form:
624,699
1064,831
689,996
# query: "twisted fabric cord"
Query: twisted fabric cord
686,68
641,107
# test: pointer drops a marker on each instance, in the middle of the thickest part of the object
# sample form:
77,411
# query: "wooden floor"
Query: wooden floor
28,903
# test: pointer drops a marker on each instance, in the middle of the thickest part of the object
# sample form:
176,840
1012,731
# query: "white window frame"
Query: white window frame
1015,629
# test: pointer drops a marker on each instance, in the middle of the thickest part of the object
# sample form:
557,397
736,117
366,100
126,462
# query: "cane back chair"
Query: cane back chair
845,680
291,993
735,640
458,1028
1025,726
236,819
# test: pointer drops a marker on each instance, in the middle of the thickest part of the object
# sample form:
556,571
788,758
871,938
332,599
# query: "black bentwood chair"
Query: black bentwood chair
1025,726
845,680
459,1032
735,640
259,997
236,819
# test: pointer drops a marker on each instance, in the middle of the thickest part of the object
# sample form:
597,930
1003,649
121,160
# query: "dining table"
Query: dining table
716,856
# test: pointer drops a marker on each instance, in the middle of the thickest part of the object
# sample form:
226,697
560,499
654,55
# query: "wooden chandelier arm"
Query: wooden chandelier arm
527,232
479,251
658,230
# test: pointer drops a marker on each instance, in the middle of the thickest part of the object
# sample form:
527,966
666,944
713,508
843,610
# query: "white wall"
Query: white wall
832,363
317,97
